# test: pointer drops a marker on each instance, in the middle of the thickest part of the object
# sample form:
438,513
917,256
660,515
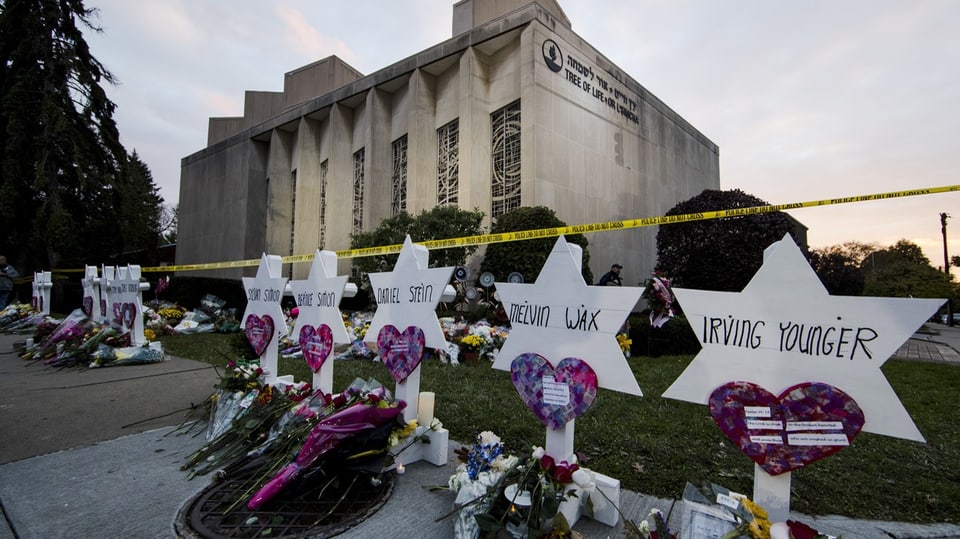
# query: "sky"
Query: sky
806,100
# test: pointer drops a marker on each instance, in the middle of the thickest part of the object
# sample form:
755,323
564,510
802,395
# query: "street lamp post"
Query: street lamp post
946,263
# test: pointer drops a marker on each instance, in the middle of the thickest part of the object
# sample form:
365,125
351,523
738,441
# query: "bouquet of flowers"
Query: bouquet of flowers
657,530
357,325
518,495
273,436
659,298
106,356
18,317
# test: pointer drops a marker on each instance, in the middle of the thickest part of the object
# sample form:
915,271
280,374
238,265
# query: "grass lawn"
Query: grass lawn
655,445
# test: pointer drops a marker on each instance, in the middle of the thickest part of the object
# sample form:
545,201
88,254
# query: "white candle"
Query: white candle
425,408
400,469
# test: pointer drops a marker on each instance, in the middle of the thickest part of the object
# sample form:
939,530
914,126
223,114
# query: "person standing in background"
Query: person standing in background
7,275
612,277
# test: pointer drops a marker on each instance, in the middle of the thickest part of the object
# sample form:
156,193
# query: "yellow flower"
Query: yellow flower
472,342
149,334
760,525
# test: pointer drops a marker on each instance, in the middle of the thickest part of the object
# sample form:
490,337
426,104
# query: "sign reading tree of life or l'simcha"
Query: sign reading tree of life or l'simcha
786,338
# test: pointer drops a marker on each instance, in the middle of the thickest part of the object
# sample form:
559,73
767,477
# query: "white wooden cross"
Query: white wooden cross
263,320
408,297
318,299
560,316
784,329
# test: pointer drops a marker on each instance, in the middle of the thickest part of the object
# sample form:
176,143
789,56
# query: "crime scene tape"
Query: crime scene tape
486,239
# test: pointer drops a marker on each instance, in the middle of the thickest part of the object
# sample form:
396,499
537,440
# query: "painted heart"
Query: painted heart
129,314
555,395
88,305
103,307
118,313
805,423
259,331
316,344
401,352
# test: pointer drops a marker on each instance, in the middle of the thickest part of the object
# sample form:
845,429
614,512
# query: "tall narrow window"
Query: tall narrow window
506,159
448,164
323,203
358,191
399,202
293,213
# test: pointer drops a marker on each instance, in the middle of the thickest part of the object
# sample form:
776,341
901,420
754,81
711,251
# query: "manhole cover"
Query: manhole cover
316,507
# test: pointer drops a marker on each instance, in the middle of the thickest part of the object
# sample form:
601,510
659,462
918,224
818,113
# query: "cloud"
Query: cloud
308,42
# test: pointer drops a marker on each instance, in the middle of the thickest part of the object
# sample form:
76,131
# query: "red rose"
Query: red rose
547,463
339,400
374,398
799,530
564,474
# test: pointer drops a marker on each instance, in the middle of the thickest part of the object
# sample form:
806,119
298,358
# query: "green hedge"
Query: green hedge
674,338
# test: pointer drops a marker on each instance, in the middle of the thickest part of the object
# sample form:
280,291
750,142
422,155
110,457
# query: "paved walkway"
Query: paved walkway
91,454
934,342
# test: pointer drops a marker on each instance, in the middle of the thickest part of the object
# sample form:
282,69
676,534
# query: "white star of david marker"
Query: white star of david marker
784,329
318,297
264,293
408,295
560,316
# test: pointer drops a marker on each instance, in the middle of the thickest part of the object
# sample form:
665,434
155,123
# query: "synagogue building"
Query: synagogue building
515,109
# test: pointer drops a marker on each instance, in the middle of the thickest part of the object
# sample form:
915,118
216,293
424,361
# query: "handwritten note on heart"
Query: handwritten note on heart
259,331
805,423
401,352
316,344
118,313
555,395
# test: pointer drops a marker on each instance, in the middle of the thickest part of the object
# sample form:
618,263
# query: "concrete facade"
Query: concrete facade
307,166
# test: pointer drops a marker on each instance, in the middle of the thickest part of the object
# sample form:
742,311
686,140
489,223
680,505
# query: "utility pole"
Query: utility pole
946,263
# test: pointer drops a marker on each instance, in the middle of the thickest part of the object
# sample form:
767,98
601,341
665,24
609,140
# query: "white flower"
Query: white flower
489,439
436,424
584,479
538,452
587,481
644,527
458,480
505,463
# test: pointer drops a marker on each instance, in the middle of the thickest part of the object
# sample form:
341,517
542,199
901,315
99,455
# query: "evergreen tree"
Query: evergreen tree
139,208
437,223
64,177
527,257
718,254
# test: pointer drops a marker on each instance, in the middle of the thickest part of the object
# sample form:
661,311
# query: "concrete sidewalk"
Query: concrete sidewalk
92,454
934,342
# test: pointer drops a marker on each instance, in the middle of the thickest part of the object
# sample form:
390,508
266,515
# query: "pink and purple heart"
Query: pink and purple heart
118,313
401,352
805,423
129,314
555,395
316,344
259,331
88,305
103,307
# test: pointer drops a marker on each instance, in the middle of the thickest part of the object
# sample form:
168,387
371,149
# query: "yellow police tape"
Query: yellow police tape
485,239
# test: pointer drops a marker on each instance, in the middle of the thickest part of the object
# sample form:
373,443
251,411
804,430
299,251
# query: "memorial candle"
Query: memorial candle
425,408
